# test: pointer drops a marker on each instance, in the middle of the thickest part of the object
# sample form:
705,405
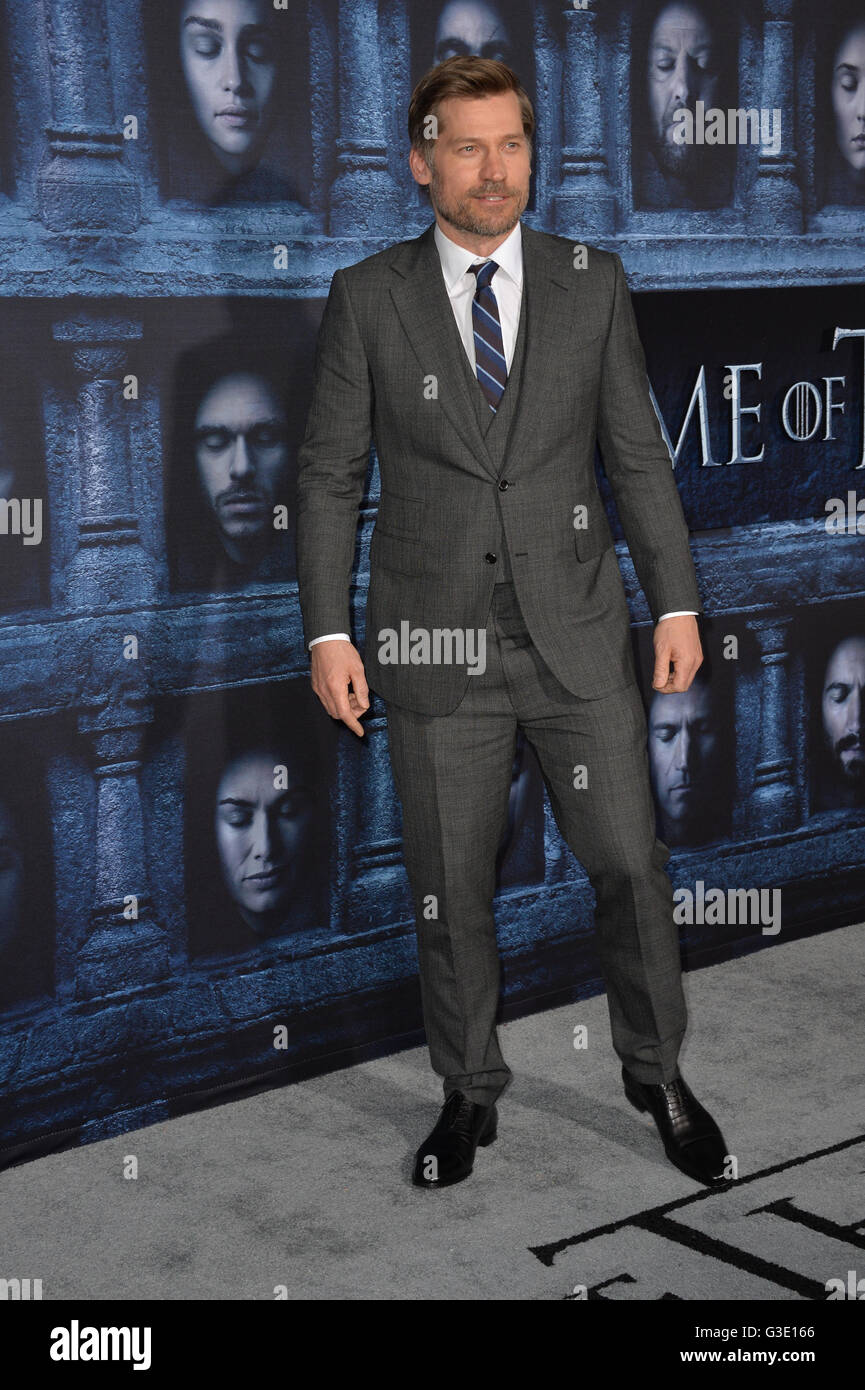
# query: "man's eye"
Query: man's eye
215,439
237,818
664,65
849,84
265,436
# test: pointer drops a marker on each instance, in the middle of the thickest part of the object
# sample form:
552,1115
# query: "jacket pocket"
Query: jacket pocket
399,516
387,552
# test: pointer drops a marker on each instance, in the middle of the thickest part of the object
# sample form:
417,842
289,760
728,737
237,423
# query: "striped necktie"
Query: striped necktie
491,365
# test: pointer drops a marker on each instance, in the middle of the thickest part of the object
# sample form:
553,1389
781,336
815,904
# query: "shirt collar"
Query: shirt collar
455,260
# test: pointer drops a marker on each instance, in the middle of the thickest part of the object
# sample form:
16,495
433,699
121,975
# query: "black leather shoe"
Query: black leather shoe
692,1140
448,1155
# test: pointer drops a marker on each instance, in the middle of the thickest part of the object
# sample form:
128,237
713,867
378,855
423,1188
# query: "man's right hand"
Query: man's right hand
336,666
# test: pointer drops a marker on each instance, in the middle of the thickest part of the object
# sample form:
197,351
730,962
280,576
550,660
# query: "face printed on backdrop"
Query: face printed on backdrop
263,834
848,98
684,748
229,59
843,710
241,456
472,27
682,70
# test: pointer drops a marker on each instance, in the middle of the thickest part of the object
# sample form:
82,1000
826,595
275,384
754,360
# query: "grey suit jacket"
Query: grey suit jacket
388,369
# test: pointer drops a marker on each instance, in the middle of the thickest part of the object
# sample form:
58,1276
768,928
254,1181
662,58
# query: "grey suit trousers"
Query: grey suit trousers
453,775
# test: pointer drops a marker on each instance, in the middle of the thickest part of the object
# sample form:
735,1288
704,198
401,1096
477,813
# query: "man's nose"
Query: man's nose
493,168
683,748
682,88
242,462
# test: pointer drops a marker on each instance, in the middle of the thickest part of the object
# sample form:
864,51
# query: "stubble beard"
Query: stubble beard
466,216
680,161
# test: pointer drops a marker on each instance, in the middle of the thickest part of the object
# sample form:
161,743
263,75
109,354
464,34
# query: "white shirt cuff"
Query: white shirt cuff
331,637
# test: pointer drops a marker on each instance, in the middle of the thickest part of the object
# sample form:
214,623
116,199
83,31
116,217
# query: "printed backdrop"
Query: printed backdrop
167,240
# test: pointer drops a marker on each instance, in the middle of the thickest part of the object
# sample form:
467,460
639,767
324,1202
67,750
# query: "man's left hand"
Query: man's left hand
677,644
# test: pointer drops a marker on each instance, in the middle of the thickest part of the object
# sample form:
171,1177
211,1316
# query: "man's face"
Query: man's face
844,710
262,833
10,880
683,744
228,53
241,454
848,97
472,29
479,182
682,70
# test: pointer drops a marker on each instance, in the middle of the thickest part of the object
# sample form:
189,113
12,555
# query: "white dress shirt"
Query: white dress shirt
506,284
461,285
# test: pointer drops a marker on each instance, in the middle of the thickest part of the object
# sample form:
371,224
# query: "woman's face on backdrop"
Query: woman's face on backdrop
229,56
264,821
848,97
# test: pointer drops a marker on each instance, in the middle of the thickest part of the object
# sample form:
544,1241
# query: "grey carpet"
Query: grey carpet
306,1188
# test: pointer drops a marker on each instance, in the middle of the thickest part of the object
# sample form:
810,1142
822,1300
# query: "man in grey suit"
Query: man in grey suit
484,359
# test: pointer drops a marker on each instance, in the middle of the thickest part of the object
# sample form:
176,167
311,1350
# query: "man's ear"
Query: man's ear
422,166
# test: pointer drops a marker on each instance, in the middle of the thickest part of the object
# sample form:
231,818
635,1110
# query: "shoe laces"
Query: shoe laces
675,1096
456,1106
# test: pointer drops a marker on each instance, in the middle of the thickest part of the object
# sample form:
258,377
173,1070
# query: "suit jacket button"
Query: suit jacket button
504,485
490,558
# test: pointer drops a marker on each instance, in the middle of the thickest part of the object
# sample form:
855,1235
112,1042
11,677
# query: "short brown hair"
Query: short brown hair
463,76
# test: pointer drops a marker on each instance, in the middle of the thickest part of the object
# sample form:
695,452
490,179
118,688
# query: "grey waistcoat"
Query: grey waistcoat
496,427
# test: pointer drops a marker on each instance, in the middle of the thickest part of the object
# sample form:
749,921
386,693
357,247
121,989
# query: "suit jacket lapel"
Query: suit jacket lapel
421,300
549,334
